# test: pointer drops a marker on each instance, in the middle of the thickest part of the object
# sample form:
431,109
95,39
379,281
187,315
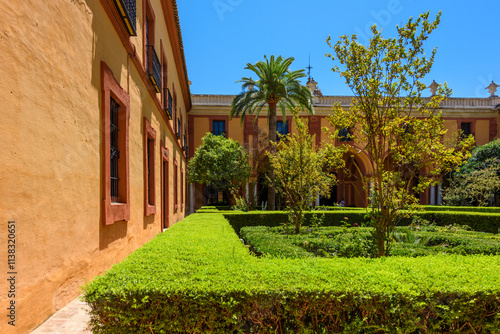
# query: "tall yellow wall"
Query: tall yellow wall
52,153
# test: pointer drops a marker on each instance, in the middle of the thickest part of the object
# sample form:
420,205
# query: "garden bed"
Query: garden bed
357,241
198,277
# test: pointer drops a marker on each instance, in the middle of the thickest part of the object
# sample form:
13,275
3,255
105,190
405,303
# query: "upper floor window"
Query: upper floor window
219,128
345,134
466,128
127,10
281,128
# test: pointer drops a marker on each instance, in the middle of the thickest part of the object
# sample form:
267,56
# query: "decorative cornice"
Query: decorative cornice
479,104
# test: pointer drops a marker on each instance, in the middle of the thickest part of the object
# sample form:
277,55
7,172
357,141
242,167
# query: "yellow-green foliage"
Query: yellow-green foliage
299,168
391,124
197,277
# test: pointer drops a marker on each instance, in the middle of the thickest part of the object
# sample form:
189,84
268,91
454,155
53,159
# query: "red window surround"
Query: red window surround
120,210
149,169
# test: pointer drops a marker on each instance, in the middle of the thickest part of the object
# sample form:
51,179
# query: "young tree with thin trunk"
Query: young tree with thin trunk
300,170
398,130
276,87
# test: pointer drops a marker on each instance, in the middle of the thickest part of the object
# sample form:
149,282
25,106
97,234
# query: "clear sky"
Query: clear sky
221,36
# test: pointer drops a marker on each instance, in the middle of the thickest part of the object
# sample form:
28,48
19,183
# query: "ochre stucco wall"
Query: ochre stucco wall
52,153
482,133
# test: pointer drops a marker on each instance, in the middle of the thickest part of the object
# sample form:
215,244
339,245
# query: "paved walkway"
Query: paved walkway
71,319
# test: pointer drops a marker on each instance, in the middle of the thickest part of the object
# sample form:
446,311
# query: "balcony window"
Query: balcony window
127,10
154,68
178,132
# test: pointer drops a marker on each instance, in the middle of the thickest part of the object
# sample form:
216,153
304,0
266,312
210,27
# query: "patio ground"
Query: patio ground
71,319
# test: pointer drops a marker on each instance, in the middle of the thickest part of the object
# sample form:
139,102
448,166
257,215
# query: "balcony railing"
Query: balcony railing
154,68
167,104
127,10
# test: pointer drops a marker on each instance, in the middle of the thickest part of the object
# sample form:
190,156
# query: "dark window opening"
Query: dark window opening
114,151
345,134
281,128
219,128
150,162
466,128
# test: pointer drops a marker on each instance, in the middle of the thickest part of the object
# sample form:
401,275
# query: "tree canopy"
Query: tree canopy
478,179
390,122
219,162
276,87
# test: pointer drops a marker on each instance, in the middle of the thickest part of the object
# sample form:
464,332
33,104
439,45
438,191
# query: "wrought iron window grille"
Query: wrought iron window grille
167,97
127,10
114,150
154,68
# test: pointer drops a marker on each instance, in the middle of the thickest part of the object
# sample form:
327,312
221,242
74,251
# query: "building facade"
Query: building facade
477,116
95,98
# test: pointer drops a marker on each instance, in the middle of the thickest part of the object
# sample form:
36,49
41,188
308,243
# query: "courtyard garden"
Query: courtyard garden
199,277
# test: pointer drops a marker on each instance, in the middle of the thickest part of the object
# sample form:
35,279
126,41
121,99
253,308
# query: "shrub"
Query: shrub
197,277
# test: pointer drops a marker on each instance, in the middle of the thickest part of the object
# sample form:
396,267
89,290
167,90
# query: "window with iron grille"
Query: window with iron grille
115,118
149,134
178,132
149,171
114,151
219,128
176,194
169,108
127,10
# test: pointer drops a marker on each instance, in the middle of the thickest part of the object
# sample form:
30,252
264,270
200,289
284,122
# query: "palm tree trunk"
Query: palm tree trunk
271,190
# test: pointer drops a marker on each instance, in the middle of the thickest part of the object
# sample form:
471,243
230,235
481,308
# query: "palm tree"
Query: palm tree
276,86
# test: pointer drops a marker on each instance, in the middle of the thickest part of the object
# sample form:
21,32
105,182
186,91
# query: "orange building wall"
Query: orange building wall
52,153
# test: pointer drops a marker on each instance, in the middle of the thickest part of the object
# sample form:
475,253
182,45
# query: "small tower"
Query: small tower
433,87
492,88
311,84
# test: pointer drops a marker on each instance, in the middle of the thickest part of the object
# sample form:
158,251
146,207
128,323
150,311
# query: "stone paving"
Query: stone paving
71,319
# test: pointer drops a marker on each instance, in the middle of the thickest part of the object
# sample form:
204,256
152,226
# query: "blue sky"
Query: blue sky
221,36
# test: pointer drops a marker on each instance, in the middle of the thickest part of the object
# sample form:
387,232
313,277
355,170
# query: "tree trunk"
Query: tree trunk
271,190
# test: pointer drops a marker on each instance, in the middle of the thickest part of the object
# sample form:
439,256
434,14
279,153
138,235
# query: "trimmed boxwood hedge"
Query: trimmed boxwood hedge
477,221
197,277
493,209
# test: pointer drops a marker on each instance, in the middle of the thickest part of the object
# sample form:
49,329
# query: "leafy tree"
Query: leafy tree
299,169
275,87
478,179
219,162
389,121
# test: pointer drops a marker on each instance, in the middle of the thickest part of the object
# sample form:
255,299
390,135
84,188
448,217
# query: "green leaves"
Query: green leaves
394,128
220,162
299,169
199,269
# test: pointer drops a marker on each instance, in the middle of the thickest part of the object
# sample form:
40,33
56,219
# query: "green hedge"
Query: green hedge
197,277
492,209
238,219
478,221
